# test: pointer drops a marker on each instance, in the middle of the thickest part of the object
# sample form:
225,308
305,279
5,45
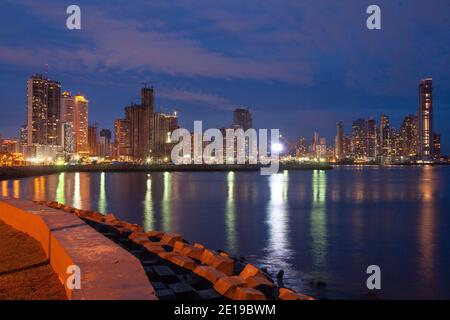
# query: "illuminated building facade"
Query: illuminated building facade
93,141
163,126
359,139
408,134
339,141
43,111
105,143
436,146
122,139
425,119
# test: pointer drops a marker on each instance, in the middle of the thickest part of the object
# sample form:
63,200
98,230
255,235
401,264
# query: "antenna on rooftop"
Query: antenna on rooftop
46,71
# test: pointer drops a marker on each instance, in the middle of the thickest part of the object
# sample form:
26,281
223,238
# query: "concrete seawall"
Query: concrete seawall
107,270
28,171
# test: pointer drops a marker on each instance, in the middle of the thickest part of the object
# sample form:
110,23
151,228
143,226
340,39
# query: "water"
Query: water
318,226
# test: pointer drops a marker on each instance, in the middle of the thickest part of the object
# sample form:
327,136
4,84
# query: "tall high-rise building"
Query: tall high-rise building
93,140
242,118
23,135
147,103
408,135
74,112
163,125
339,141
359,138
436,146
425,119
384,136
54,113
43,114
122,139
139,135
371,148
105,143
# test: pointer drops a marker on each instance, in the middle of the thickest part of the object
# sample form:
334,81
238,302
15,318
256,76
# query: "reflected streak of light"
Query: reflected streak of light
37,189
5,190
166,202
318,219
149,216
42,187
278,251
102,202
16,189
77,191
427,225
60,190
231,214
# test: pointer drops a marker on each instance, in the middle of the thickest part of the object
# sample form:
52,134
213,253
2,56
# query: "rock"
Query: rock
280,274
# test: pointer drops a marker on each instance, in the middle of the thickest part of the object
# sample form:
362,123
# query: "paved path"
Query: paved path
25,272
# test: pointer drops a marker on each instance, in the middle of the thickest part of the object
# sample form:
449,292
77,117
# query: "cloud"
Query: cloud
195,97
106,41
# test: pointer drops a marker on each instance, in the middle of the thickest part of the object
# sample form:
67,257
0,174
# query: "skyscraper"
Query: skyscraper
408,134
425,119
74,112
54,113
81,124
385,136
105,143
164,124
436,146
339,143
359,138
242,118
93,140
139,135
371,148
147,103
122,139
43,114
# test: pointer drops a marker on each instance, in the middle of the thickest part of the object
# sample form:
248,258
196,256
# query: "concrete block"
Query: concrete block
208,294
183,291
248,294
182,261
249,271
209,273
288,294
227,286
171,238
222,264
206,255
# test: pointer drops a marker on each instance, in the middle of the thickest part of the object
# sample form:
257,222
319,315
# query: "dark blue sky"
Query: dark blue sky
299,65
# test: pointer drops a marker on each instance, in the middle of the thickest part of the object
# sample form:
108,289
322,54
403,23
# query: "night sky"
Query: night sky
300,66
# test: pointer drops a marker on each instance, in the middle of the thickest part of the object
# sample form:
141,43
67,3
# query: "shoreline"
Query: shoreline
17,172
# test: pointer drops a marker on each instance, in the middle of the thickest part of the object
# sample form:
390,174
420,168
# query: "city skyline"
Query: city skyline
285,85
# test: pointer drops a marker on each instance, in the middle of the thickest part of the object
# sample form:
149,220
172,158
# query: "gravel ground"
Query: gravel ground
25,273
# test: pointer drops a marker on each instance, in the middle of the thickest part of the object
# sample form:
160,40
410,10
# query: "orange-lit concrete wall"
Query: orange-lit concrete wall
107,270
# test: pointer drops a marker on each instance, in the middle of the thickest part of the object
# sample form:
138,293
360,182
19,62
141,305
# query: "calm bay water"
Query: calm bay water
318,226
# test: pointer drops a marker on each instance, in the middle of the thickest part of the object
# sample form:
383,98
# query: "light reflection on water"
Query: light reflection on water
315,225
